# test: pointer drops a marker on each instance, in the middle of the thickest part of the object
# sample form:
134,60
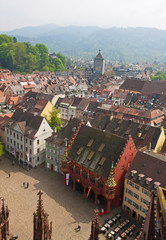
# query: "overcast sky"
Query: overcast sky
104,13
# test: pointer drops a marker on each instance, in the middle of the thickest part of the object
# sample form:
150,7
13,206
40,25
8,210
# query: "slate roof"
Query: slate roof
36,95
150,164
92,106
113,146
99,56
28,123
133,85
123,128
149,87
65,132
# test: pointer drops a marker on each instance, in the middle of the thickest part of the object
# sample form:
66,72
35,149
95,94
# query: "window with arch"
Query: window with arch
71,167
92,179
77,169
100,184
84,174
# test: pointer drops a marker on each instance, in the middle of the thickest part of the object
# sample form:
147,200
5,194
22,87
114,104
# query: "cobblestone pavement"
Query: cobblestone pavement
65,208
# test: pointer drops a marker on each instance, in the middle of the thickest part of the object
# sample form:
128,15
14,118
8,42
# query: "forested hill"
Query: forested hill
121,44
24,57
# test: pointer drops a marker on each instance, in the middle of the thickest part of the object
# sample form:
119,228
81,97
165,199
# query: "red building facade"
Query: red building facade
98,161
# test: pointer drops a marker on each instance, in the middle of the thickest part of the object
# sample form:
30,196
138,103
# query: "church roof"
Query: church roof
99,55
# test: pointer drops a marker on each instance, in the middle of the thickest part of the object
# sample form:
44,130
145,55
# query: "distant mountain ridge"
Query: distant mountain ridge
117,44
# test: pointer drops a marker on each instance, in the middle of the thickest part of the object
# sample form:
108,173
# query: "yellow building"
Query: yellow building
146,173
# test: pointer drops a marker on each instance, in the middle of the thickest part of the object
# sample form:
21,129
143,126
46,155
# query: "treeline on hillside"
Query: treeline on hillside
23,57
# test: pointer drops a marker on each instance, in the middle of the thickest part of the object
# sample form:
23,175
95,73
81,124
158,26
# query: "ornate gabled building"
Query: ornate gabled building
42,230
4,221
95,227
89,164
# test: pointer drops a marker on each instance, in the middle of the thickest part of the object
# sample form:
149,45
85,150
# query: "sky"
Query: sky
103,13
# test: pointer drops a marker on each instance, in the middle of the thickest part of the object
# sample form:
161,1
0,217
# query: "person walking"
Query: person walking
27,184
79,227
24,184
9,174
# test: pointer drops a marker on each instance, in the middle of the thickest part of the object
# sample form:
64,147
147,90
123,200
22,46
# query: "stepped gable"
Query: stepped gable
133,85
142,134
112,147
152,165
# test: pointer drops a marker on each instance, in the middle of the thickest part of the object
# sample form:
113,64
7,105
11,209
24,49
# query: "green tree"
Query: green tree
54,120
1,149
5,38
45,69
14,39
62,58
43,55
58,65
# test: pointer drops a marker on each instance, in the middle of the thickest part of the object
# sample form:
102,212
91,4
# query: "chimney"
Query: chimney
133,172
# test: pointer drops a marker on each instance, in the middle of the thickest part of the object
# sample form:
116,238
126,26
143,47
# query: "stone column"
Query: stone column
96,198
74,184
84,192
108,205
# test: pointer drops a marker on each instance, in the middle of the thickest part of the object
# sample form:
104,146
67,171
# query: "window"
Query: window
30,151
38,141
135,205
17,136
30,142
14,135
18,145
10,132
11,140
100,184
7,131
143,210
129,191
21,146
77,169
21,138
38,159
145,192
26,140
38,150
26,149
7,139
84,174
136,196
92,179
14,143
144,201
44,130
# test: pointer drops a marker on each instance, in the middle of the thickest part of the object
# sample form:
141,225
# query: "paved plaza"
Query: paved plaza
65,208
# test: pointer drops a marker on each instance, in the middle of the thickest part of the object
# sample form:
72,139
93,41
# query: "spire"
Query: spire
148,232
41,228
111,181
95,227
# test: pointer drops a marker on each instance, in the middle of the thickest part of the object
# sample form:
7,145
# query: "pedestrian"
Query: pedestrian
79,227
27,184
9,174
24,184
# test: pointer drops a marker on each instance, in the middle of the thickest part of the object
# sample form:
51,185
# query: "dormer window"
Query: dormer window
156,184
148,180
133,172
140,176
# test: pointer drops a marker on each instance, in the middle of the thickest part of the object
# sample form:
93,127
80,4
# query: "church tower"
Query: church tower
41,228
99,64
